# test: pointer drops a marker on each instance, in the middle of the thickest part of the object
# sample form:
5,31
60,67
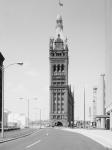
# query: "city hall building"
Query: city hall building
61,96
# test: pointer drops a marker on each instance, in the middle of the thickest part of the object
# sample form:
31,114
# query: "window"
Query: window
62,101
57,54
58,83
54,117
58,94
63,54
62,94
58,98
54,68
52,54
62,106
54,107
62,117
58,117
54,100
58,101
54,83
62,67
62,111
58,68
62,83
58,106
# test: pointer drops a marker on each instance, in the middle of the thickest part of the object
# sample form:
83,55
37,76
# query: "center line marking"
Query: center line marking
33,144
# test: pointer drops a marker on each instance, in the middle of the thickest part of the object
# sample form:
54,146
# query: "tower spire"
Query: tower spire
59,22
60,4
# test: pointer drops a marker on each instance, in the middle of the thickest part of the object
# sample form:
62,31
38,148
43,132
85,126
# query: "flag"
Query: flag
61,4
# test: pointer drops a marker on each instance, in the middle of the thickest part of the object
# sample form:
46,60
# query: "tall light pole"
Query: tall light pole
3,69
21,98
103,93
28,109
84,107
28,112
94,105
40,118
40,115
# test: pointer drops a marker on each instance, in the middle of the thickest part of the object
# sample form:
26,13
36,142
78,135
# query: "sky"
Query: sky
25,29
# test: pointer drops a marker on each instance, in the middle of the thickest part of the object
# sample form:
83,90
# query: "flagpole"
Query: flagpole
60,4
84,107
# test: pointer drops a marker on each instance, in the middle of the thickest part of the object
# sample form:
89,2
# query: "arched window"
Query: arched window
62,67
58,68
54,68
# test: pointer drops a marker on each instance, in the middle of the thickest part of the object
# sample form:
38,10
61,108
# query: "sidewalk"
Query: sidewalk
104,137
11,135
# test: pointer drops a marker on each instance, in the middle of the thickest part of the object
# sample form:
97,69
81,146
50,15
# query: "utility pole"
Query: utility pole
40,118
94,105
84,107
28,112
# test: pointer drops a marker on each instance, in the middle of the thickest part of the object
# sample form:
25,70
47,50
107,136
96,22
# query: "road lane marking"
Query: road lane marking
33,144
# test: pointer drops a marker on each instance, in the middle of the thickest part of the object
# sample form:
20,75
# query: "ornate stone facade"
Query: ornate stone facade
61,97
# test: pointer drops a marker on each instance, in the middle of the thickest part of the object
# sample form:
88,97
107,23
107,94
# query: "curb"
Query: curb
14,138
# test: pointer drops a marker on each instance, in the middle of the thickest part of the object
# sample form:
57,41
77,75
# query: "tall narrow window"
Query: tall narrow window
54,68
58,68
62,67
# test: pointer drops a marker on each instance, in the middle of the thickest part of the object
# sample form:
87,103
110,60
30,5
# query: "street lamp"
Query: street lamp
84,108
21,98
40,113
40,116
28,109
3,69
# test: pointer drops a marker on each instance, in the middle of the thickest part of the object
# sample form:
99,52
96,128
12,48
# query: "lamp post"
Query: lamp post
40,113
21,98
28,108
28,112
84,107
40,116
3,69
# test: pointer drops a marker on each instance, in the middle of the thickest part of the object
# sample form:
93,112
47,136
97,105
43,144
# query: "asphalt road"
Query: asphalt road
52,139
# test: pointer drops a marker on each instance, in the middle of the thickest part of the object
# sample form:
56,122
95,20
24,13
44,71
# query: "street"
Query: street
52,139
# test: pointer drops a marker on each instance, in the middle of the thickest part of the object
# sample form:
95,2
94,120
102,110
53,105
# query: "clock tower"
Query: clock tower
61,97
